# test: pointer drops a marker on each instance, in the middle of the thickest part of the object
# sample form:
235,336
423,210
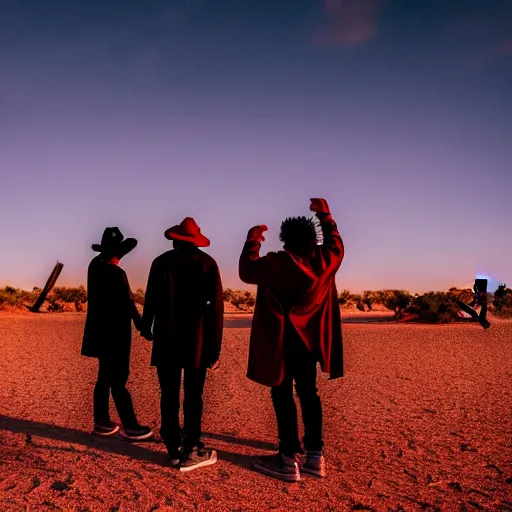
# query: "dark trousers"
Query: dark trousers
112,377
300,366
170,384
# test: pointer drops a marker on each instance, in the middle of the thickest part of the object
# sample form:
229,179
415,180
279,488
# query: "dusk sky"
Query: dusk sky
236,112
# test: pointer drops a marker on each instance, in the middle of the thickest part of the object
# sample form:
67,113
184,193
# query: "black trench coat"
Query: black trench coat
110,311
184,299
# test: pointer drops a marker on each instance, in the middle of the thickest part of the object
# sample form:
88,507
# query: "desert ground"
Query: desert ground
421,421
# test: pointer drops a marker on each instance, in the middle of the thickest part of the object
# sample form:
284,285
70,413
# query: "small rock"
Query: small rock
28,438
59,486
455,485
508,481
361,506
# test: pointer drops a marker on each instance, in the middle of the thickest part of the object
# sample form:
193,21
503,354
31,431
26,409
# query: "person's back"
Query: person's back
183,299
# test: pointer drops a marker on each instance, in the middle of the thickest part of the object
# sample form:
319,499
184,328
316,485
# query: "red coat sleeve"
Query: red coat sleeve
332,249
252,268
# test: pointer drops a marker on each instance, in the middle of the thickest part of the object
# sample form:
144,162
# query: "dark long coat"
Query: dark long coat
301,291
184,303
110,311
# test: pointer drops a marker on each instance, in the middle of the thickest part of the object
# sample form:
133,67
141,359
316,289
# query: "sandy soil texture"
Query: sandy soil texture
422,421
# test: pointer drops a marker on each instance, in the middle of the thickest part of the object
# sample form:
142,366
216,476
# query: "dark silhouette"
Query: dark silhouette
479,299
296,324
184,305
108,334
50,283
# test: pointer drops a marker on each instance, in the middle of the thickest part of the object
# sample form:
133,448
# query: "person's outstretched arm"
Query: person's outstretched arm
332,248
252,268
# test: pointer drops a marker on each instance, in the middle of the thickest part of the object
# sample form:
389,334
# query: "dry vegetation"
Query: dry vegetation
431,307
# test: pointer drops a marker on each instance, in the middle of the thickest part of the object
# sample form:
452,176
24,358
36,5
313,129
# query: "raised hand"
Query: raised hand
319,205
256,233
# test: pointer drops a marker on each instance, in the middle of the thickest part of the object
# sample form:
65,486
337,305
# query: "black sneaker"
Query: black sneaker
139,433
107,430
199,457
314,465
278,466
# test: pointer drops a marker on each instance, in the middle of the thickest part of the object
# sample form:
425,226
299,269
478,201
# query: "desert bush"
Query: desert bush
369,298
344,297
139,296
502,301
242,299
10,296
395,300
434,307
59,295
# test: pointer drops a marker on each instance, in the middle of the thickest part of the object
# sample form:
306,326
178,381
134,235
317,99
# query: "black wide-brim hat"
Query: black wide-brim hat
114,243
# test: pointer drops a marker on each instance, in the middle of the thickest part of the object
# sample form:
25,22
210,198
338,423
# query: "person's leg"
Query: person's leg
119,372
193,407
170,383
102,395
286,416
311,406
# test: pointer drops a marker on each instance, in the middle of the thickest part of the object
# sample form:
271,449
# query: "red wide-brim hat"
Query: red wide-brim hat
187,231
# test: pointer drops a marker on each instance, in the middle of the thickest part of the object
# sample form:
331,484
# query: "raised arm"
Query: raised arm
332,248
252,268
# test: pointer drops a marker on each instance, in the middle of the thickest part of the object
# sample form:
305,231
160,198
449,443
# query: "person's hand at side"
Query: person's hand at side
148,335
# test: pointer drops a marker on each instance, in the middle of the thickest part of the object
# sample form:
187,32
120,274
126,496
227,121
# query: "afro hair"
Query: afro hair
299,232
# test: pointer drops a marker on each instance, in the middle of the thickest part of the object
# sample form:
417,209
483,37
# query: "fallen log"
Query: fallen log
47,288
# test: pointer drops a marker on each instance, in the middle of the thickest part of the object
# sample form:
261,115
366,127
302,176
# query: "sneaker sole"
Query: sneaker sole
137,438
106,434
286,478
204,464
311,472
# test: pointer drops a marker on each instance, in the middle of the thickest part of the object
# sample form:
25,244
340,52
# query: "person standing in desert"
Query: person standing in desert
108,335
184,307
296,324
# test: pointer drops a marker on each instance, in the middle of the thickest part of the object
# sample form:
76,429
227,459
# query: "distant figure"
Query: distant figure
184,304
479,299
296,324
108,335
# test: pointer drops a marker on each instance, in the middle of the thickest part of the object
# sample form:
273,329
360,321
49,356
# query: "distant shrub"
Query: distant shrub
435,307
502,302
344,297
139,296
242,299
59,295
10,296
369,298
395,300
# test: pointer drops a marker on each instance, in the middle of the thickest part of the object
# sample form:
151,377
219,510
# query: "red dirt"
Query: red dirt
422,421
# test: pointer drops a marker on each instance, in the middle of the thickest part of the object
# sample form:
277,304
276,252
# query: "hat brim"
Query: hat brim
119,250
198,240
